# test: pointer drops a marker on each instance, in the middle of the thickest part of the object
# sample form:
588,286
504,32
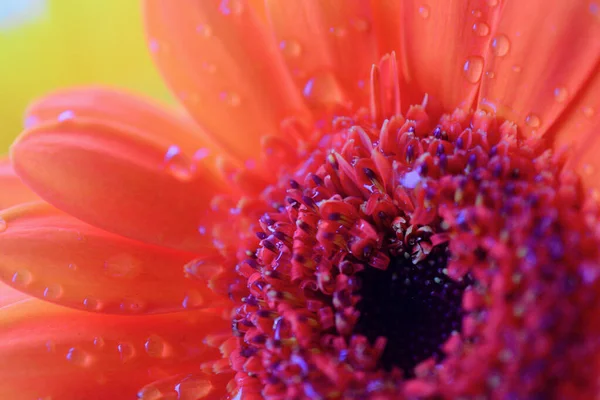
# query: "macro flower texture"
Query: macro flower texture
386,199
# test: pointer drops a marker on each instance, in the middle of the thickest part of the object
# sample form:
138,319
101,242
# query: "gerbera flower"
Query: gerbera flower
372,203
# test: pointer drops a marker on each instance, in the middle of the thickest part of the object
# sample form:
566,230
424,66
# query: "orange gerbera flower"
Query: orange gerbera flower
371,203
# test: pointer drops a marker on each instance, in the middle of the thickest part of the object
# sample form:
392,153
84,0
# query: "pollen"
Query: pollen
415,255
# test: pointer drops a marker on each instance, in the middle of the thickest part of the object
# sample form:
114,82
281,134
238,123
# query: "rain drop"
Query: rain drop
560,94
53,292
73,267
204,30
22,278
150,393
156,347
178,164
323,90
500,45
92,304
79,357
192,299
481,29
533,121
588,111
66,115
516,68
133,306
122,266
361,25
231,7
424,11
290,48
232,99
3,224
338,31
473,68
126,351
476,13
493,3
490,74
193,389
99,342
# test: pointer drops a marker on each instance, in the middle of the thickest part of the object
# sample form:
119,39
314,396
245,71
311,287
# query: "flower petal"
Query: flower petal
12,190
321,43
119,106
220,61
10,296
119,179
53,256
49,351
443,44
539,60
577,129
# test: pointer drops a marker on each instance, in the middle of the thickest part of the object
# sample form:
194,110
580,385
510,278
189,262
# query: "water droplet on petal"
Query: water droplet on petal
424,11
73,267
66,115
122,266
79,357
493,3
323,90
156,347
533,121
3,224
361,25
22,278
231,7
290,48
476,13
500,45
177,164
150,393
92,304
50,346
126,351
53,292
588,111
133,306
560,94
473,68
490,74
481,29
232,99
193,389
99,342
192,299
516,68
204,30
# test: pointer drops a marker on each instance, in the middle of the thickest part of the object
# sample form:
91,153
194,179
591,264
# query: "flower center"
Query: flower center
414,306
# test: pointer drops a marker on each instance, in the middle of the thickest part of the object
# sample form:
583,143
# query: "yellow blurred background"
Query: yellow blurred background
47,44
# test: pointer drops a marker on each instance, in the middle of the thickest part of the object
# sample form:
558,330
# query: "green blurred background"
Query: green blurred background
47,44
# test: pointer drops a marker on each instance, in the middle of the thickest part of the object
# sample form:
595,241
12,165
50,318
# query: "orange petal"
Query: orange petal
120,179
12,190
54,352
577,129
328,48
116,105
540,56
443,44
9,295
222,64
53,256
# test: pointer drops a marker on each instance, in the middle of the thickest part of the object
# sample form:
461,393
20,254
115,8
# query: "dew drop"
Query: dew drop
73,267
150,393
66,115
424,11
500,45
560,94
533,121
338,31
156,347
204,30
481,29
231,7
122,266
290,48
493,3
192,299
79,357
99,342
490,74
193,388
323,90
516,68
476,13
473,68
3,224
154,46
178,165
92,304
360,24
133,306
22,278
588,111
53,292
126,351
50,346
232,99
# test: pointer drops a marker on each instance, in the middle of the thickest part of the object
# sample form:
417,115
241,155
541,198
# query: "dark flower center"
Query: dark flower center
416,307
